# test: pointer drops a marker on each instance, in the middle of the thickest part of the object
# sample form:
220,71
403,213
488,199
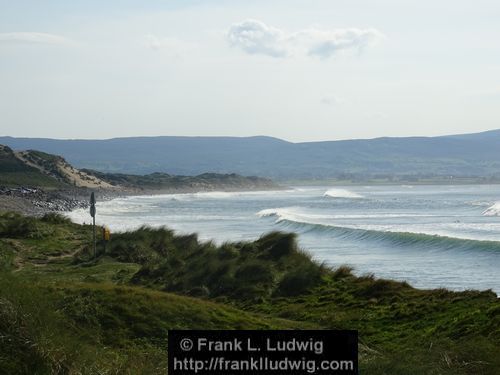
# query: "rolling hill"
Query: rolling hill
469,155
36,168
40,169
15,171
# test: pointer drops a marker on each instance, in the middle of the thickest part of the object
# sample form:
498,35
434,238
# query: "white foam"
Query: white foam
297,211
281,214
455,230
480,203
212,195
342,193
494,210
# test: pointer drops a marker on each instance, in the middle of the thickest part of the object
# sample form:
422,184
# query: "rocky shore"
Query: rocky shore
36,201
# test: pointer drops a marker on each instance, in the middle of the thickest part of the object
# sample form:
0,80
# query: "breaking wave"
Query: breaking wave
398,238
494,210
342,193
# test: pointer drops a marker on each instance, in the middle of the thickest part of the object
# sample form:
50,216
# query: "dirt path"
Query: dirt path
21,258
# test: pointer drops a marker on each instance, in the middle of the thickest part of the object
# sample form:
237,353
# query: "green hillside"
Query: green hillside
47,162
40,169
205,181
62,312
14,172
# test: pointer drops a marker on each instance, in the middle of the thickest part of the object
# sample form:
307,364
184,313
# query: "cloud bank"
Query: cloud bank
32,38
255,37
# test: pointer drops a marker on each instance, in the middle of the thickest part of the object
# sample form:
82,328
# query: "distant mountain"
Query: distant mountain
457,155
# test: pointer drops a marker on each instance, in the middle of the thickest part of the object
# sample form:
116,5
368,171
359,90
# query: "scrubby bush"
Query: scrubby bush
255,272
55,218
370,287
141,246
228,251
300,280
342,272
13,225
243,270
278,244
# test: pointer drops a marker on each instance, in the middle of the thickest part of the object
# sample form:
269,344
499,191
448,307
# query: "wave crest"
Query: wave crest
342,193
398,238
494,210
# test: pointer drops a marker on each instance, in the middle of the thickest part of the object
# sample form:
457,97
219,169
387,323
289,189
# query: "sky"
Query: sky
297,70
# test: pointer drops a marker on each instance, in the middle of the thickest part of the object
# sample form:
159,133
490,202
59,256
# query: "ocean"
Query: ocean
429,236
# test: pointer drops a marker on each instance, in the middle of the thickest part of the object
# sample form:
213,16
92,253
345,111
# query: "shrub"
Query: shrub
255,272
237,270
301,280
13,225
55,218
342,272
278,244
188,243
375,288
228,251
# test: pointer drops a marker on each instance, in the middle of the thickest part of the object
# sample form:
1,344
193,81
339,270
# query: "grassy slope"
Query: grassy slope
13,172
62,311
206,181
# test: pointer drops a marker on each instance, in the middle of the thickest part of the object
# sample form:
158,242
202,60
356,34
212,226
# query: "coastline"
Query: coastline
65,200
324,224
460,181
134,290
37,202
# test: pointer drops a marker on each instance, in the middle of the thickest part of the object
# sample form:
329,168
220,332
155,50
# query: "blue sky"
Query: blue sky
298,70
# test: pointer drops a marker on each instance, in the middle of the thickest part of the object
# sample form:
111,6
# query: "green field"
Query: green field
63,312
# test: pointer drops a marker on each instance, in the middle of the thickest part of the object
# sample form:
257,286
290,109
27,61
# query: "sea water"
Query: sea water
429,236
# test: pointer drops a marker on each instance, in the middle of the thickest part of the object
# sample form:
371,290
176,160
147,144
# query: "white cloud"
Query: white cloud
32,38
326,43
255,37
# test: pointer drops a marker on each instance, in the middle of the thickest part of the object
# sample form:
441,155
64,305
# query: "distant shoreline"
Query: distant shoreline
63,200
390,182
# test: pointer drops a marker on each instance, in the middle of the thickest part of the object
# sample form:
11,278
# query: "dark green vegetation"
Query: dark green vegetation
63,312
47,162
14,172
164,181
422,158
37,169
